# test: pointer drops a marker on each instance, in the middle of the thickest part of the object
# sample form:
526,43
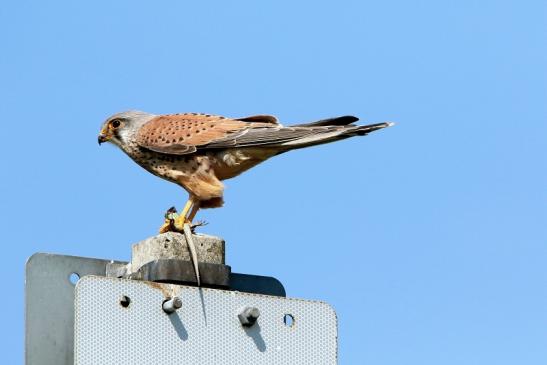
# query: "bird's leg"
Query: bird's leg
192,215
189,204
193,212
175,222
183,216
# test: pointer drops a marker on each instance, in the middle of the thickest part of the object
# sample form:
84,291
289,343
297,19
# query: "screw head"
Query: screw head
171,305
177,303
248,316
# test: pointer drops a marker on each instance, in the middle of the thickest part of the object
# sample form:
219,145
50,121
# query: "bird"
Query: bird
198,151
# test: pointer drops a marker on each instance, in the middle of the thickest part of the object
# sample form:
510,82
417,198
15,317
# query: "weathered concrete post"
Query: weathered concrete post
167,258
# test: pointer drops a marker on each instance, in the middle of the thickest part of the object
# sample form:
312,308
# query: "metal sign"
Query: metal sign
49,302
121,321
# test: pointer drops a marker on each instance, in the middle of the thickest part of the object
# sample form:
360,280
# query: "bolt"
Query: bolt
125,301
171,305
248,316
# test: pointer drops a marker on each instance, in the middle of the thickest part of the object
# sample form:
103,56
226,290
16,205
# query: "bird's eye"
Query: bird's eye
115,123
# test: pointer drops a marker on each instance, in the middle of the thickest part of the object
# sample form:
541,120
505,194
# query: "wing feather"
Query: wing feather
187,133
181,134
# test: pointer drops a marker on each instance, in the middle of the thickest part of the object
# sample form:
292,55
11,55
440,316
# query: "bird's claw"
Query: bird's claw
175,223
199,224
193,226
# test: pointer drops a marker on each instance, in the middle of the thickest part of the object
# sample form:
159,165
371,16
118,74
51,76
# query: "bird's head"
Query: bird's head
122,127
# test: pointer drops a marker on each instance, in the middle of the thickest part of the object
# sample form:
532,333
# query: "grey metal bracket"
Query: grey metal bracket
175,271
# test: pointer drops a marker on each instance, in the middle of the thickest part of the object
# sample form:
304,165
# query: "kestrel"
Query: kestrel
198,151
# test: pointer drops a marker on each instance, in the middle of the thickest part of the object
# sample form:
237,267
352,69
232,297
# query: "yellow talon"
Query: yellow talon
166,226
179,223
175,222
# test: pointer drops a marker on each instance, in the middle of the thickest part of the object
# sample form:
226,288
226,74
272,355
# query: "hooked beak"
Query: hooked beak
102,138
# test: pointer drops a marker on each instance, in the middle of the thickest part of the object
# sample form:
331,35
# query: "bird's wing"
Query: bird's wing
344,120
261,136
182,134
286,138
260,119
186,133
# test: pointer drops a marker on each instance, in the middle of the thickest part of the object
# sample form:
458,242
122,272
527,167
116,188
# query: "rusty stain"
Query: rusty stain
165,289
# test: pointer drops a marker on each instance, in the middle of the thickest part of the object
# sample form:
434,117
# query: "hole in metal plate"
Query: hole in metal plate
288,319
125,301
74,277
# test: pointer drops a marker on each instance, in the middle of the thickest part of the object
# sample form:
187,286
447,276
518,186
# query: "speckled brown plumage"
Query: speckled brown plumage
197,151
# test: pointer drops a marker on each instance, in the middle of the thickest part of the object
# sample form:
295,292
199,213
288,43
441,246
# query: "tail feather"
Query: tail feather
366,129
344,120
326,134
296,136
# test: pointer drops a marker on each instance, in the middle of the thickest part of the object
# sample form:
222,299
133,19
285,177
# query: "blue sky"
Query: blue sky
429,238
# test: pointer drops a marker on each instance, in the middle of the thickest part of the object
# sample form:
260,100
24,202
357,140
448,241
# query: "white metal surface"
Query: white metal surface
206,330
